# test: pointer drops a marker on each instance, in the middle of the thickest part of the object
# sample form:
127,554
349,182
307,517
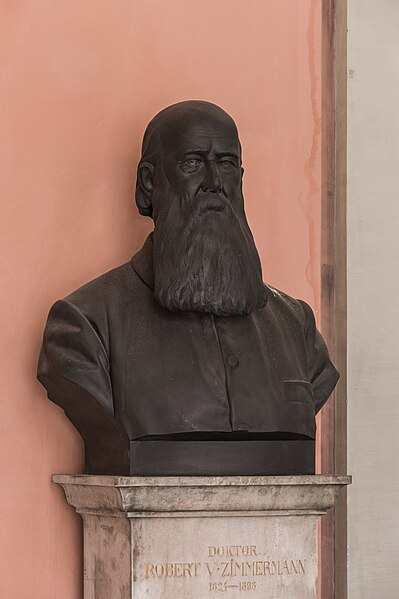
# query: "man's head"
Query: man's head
190,181
195,145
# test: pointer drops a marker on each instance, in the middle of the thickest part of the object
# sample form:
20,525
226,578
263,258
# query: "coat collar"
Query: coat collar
142,262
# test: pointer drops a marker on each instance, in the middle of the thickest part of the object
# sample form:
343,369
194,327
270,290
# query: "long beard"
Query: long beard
205,259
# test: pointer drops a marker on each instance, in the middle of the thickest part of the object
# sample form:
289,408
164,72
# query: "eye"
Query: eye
191,165
227,166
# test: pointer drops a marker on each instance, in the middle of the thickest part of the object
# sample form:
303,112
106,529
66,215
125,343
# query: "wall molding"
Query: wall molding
333,419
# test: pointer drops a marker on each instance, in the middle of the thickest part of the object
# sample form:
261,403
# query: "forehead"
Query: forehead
208,133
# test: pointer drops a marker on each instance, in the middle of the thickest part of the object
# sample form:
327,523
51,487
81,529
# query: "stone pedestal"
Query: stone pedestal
199,537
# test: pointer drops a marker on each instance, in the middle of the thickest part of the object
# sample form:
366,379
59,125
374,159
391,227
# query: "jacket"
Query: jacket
122,366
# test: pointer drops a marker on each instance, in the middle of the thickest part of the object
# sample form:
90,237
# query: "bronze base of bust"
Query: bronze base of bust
254,456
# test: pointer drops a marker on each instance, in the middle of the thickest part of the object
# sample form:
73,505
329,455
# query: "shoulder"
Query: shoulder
93,307
289,307
109,295
104,289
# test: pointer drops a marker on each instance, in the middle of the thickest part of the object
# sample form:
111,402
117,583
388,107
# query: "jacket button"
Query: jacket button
233,361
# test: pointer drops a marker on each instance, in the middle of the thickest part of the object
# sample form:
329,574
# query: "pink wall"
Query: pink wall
79,82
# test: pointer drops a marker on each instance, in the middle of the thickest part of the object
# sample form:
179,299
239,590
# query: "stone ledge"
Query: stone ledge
310,494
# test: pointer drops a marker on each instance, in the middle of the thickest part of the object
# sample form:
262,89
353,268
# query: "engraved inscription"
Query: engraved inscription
231,550
256,568
243,586
229,567
172,570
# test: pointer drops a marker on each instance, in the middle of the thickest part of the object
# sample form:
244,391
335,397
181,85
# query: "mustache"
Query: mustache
216,202
204,204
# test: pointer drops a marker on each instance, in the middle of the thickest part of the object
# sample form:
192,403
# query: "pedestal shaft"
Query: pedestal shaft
178,538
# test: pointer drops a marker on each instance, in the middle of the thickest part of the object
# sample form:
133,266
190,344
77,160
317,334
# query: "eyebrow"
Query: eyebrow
228,153
196,151
204,151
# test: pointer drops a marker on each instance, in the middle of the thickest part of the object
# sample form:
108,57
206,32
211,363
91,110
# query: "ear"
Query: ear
144,188
242,179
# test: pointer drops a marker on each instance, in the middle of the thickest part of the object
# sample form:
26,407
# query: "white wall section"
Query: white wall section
373,298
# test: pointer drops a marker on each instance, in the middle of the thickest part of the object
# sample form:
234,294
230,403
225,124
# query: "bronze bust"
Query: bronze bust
182,361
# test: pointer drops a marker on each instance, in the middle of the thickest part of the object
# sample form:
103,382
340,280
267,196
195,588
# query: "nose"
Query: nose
211,181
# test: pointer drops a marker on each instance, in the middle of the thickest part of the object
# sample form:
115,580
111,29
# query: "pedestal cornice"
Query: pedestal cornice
123,495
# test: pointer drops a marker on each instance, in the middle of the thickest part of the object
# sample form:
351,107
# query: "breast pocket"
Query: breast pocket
298,392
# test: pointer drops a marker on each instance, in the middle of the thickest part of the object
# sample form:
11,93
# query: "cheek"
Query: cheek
189,185
232,187
171,206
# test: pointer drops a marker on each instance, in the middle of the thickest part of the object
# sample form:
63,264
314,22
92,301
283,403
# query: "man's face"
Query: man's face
202,158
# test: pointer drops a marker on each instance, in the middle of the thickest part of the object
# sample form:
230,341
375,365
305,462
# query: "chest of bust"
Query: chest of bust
185,372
